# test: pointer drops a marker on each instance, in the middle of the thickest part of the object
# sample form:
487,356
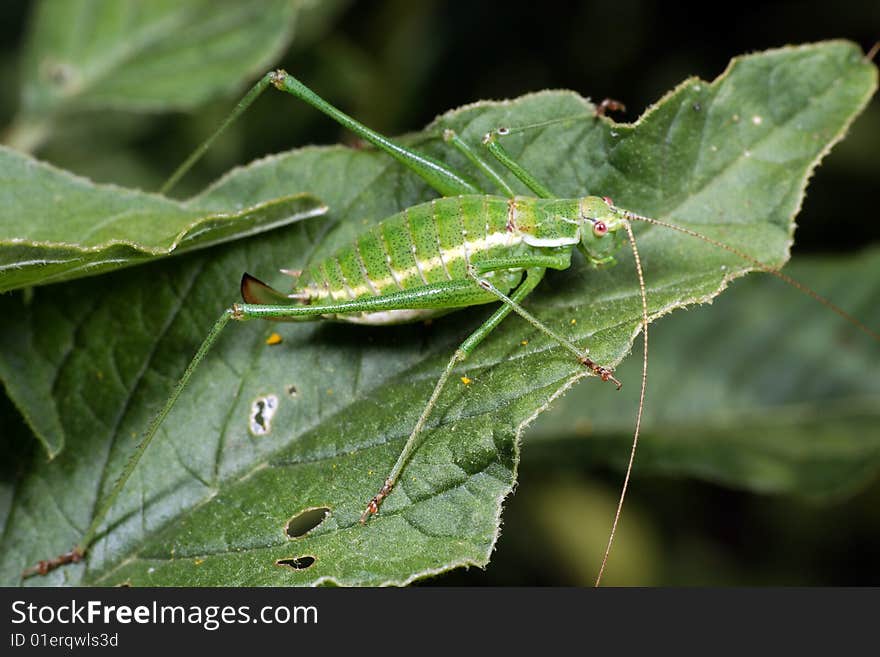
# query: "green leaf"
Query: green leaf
783,397
56,226
156,55
88,55
211,504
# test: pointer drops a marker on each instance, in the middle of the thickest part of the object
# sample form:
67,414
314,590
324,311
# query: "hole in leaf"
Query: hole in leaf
305,521
297,563
262,410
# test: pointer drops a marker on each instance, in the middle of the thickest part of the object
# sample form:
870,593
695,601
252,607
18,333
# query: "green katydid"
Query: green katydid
467,249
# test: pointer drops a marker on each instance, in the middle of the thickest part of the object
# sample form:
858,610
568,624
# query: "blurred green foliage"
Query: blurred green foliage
396,64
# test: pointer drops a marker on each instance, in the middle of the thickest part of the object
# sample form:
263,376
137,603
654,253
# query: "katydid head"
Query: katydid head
602,231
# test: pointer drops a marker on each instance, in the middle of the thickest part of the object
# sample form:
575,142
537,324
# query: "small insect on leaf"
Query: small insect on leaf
467,381
273,339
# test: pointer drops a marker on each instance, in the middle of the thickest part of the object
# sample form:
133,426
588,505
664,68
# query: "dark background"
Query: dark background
395,65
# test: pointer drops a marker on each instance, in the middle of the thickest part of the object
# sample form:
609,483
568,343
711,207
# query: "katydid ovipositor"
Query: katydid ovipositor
447,183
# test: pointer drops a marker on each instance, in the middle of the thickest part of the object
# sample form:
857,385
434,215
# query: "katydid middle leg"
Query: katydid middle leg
532,278
491,143
509,304
604,373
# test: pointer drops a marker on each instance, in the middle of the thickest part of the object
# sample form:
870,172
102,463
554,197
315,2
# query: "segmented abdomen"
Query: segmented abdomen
424,244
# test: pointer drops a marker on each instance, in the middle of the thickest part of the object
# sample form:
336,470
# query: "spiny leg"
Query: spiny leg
104,508
411,442
196,155
46,566
604,373
77,553
533,277
432,171
240,312
435,173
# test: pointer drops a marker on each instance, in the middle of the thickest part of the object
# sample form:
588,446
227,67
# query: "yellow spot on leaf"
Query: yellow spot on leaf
465,380
573,322
524,343
273,338
329,391
198,562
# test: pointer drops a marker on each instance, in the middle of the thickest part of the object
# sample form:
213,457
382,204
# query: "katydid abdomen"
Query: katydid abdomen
430,245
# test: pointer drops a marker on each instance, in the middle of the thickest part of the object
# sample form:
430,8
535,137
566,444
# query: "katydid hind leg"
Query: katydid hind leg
440,177
288,310
104,506
255,92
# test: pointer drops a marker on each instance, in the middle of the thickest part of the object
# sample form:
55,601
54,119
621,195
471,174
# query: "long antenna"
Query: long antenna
635,443
741,254
760,265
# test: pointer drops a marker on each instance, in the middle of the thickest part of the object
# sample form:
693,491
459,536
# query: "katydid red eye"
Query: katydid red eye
599,228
